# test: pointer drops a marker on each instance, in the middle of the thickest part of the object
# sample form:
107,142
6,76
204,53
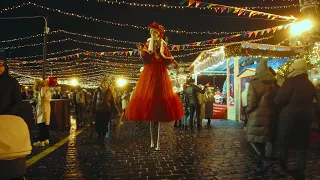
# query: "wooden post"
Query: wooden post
228,83
237,89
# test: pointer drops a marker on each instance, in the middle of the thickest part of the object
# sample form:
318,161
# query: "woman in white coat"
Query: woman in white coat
125,98
43,112
244,102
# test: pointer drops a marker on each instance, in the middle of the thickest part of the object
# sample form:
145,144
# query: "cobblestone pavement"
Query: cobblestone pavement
219,151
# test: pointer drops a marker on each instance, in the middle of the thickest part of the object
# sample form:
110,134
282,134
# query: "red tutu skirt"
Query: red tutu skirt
153,98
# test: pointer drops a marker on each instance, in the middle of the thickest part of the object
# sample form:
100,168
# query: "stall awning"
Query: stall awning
214,60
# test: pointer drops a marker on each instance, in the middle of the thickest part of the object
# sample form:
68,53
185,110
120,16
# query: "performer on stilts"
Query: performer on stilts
153,99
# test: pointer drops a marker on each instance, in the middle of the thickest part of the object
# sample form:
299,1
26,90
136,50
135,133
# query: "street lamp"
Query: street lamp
46,32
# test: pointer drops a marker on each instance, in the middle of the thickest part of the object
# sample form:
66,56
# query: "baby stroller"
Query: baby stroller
15,145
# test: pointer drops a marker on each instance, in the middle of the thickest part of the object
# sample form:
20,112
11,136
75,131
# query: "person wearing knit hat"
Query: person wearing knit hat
295,101
298,67
261,114
10,96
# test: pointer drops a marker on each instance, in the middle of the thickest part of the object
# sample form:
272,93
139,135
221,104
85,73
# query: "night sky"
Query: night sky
178,19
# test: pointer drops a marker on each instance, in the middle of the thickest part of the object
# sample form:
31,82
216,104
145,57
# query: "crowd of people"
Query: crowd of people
100,105
280,116
197,103
277,117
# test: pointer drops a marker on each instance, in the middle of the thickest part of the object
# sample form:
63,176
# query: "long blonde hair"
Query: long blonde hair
38,84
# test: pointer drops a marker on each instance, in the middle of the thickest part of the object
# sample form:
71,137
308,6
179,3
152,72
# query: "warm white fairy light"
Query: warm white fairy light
252,13
193,7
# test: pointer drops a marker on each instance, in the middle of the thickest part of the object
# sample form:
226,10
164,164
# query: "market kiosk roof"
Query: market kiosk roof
214,61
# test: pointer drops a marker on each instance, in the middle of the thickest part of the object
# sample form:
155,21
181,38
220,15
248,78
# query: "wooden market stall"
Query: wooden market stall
233,59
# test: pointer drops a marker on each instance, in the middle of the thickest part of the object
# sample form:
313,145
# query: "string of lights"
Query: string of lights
75,69
79,73
191,46
124,48
89,36
23,38
33,45
63,40
239,11
81,51
115,23
91,43
85,17
95,37
116,58
191,7
90,81
67,32
13,7
100,45
83,35
283,41
49,54
84,74
80,62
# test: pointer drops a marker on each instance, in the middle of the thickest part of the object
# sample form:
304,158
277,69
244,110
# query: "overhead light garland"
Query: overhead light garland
172,47
81,72
64,40
189,7
239,11
49,54
237,50
135,26
33,45
312,58
76,59
108,55
135,52
24,38
216,57
67,32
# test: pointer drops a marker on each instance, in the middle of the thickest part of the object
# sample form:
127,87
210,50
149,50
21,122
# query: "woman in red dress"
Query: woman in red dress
153,99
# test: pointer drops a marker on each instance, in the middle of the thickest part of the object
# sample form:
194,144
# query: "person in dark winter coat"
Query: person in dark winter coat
185,109
295,99
193,102
103,106
261,113
10,94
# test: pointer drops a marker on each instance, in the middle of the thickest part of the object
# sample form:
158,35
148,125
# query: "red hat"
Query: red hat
52,81
157,27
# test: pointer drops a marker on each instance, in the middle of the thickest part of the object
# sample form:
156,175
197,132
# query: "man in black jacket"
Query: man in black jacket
10,95
193,102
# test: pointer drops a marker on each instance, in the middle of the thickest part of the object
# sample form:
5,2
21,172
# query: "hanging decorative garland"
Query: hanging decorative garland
193,45
193,7
130,58
313,60
235,9
238,11
237,50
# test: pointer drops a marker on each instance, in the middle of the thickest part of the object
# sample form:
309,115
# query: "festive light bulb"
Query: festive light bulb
300,27
121,82
74,82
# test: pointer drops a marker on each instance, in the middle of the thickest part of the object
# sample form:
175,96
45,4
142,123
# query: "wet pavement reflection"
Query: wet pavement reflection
219,151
